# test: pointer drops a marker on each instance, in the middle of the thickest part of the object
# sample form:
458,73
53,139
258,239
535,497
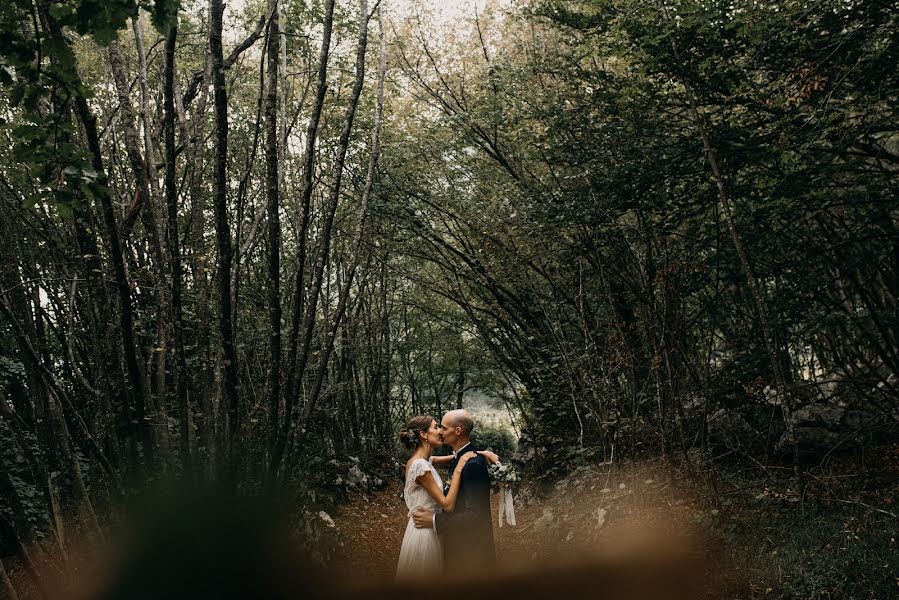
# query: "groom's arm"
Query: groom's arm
475,485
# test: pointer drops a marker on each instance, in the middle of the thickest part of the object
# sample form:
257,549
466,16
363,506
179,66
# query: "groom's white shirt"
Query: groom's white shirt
459,453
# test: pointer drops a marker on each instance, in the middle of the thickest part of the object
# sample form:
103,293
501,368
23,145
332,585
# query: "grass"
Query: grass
839,543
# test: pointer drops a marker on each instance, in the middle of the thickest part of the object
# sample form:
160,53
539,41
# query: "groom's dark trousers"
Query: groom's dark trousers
467,533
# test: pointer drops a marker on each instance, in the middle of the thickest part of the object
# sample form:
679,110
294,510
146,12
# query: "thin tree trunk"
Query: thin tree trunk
193,142
386,347
8,532
148,213
223,231
14,305
7,584
292,375
8,491
282,107
153,205
179,368
123,288
360,219
273,238
62,439
244,244
103,198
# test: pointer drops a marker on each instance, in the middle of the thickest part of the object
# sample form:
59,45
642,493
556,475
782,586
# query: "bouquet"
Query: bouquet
502,476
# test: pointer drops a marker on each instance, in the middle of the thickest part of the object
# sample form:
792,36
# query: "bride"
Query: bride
421,553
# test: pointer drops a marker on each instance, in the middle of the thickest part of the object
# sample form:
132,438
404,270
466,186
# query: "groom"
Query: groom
467,533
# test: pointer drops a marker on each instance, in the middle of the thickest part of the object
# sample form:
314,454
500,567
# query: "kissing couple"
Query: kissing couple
449,525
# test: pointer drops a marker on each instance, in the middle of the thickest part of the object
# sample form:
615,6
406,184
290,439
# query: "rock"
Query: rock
600,516
729,428
546,519
327,519
856,420
822,426
825,415
693,403
812,441
355,477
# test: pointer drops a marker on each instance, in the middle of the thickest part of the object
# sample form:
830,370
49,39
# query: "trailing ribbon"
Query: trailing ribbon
506,507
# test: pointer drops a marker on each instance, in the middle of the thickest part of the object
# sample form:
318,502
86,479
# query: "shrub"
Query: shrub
496,438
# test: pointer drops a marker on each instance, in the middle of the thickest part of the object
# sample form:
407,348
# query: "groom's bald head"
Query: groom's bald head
455,427
461,418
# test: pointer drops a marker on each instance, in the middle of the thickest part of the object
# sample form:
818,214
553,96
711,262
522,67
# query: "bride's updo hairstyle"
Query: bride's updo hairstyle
409,435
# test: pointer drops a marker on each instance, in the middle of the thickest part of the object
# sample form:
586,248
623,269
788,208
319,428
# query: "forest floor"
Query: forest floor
749,533
587,511
744,529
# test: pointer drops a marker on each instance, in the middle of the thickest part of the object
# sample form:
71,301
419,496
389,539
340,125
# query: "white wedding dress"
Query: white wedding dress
421,554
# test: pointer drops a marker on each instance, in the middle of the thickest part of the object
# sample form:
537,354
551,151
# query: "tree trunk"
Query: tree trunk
148,213
223,231
62,439
292,375
8,532
173,241
273,238
7,584
123,288
153,205
193,141
360,219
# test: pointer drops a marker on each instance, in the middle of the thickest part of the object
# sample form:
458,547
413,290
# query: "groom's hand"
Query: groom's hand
423,518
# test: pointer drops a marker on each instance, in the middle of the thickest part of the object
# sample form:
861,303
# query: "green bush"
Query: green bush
496,438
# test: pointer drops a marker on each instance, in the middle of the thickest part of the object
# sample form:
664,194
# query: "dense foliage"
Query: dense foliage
568,203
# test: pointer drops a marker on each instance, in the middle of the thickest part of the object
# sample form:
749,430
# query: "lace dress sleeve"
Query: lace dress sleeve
419,468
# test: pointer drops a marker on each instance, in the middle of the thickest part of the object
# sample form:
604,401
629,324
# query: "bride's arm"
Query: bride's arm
442,460
448,502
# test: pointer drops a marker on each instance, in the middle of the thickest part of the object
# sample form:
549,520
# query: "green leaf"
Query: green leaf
61,12
164,14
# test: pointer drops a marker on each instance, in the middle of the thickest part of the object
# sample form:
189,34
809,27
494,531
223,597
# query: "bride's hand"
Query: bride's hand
491,457
463,460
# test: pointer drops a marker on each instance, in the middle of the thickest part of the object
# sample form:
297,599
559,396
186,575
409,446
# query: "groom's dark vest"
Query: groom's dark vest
467,533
